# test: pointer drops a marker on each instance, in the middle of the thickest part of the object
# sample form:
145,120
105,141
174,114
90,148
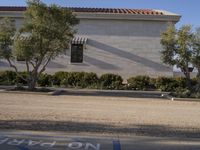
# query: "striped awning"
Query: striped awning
79,40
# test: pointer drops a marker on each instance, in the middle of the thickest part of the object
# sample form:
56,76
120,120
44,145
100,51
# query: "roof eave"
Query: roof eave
172,18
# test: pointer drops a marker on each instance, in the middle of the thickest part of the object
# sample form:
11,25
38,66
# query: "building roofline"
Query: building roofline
100,10
106,13
168,13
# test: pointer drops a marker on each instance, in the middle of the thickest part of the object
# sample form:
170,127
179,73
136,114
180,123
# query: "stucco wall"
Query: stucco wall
125,47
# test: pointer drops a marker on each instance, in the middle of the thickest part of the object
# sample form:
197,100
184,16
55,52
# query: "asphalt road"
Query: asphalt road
29,140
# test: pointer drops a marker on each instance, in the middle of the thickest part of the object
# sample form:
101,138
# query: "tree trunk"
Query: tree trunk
32,81
187,76
188,82
32,85
198,81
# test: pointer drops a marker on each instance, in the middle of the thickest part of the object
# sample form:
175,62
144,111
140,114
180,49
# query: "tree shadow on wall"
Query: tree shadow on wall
100,64
127,55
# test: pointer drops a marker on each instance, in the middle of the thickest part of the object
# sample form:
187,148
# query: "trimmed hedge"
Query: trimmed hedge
45,80
110,81
139,83
19,80
90,80
7,78
171,84
79,80
75,79
58,77
166,84
106,81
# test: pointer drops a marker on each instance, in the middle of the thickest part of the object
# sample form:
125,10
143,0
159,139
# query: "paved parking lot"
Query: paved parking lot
21,140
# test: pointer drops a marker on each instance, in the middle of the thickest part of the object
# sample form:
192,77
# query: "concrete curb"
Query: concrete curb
182,99
113,93
133,94
94,92
90,92
25,92
9,89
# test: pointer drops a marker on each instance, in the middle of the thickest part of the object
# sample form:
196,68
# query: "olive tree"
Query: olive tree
45,34
196,56
177,48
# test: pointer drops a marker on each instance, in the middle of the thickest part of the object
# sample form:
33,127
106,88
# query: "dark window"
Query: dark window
76,53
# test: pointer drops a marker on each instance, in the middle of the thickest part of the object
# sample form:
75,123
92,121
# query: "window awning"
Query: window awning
79,40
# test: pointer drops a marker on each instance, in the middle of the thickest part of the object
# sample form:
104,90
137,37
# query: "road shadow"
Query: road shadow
114,93
69,126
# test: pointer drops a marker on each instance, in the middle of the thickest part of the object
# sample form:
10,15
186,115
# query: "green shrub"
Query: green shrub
45,80
152,83
58,77
7,78
195,95
111,81
181,92
194,81
90,80
80,80
73,79
139,83
167,84
19,80
181,82
107,81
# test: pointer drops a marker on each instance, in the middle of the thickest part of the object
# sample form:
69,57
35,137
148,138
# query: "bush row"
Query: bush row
66,79
105,81
81,80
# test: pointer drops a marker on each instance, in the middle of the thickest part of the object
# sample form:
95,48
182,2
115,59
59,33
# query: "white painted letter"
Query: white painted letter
75,145
33,143
16,142
4,140
48,144
89,145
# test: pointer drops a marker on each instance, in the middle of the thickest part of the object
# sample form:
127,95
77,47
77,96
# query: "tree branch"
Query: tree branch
46,63
27,67
16,70
32,64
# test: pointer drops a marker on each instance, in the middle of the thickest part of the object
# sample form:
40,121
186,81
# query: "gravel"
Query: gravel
106,115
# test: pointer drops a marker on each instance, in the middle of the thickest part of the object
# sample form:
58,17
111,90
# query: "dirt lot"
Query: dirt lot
99,114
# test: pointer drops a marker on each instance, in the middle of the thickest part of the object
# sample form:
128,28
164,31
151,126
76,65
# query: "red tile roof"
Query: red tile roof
95,10
118,11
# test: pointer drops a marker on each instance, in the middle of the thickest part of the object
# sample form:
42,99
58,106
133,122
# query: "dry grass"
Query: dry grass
110,113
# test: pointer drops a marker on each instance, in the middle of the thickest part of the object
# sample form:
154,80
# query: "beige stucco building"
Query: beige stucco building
120,41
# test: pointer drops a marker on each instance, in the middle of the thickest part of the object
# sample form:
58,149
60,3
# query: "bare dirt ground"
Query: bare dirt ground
100,114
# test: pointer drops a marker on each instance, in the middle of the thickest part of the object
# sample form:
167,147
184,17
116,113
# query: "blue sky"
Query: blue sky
189,9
